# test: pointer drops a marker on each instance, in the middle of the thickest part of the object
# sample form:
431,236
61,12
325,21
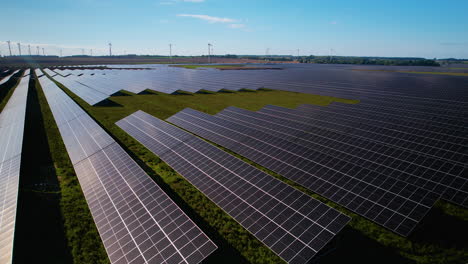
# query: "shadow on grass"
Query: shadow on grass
265,89
39,232
203,91
148,92
351,246
108,103
226,91
247,90
181,92
120,93
7,87
450,234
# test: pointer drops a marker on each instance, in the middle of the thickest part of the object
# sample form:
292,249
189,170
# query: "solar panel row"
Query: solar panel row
452,150
398,118
12,120
396,205
88,94
294,225
136,219
38,73
438,176
326,80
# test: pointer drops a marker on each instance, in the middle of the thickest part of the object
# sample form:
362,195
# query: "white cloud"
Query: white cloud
210,19
194,1
334,22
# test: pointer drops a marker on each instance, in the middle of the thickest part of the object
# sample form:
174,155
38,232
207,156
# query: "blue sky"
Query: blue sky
360,28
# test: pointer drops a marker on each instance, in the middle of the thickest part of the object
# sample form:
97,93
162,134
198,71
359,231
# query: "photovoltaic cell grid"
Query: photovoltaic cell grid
294,225
12,120
420,140
389,202
439,176
88,94
137,221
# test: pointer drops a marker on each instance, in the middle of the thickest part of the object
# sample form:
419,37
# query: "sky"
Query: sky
398,28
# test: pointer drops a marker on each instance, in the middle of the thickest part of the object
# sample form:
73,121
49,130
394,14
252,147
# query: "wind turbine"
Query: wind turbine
37,50
209,52
29,49
19,48
9,47
110,49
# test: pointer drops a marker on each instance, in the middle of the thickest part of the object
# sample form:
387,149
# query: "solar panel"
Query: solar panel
422,136
386,118
136,220
413,143
391,203
88,94
440,177
7,78
12,120
38,72
294,225
394,110
50,72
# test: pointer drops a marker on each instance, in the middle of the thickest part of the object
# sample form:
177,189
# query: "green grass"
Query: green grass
439,239
38,196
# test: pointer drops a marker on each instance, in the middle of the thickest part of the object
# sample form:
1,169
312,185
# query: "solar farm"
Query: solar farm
297,163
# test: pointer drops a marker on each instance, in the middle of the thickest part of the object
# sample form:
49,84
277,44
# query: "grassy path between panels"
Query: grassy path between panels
82,236
438,239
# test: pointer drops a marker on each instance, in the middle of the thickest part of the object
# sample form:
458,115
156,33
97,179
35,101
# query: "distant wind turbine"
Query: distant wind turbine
9,47
209,52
